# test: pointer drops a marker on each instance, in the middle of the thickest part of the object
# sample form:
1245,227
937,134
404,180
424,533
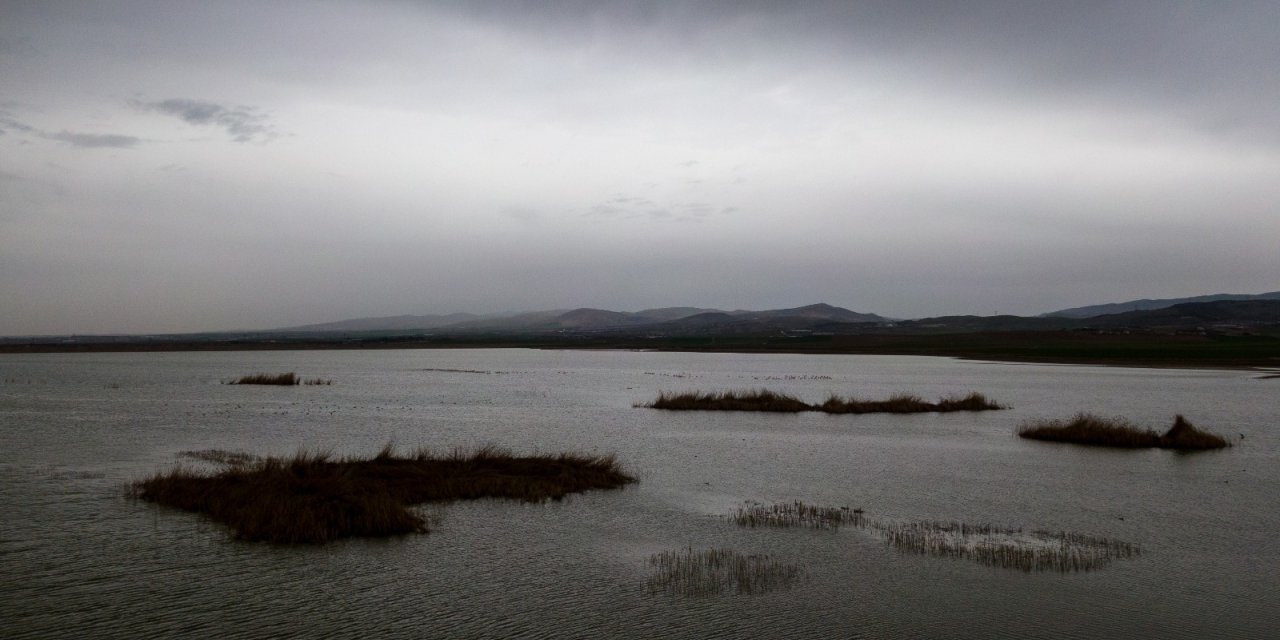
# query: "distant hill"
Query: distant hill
388,323
1195,314
1149,305
1204,311
662,320
821,311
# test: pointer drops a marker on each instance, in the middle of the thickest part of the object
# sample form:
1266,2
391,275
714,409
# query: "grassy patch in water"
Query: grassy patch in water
317,497
715,571
758,400
1006,548
993,546
765,400
1089,429
795,514
283,379
908,403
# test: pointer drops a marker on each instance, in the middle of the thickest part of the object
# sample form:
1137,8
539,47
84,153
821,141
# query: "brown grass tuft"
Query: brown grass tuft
314,497
1185,436
283,379
765,400
760,400
1089,429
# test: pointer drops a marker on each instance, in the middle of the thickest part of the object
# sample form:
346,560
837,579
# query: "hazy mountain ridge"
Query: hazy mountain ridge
388,323
595,319
821,318
1147,304
1186,315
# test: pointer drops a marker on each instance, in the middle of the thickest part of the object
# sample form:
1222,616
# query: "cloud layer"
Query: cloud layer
249,165
242,123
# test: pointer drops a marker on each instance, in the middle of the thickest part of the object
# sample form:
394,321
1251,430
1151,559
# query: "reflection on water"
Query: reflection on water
79,559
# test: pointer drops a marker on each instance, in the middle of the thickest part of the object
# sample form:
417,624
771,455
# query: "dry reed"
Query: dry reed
1006,548
990,545
1089,429
283,379
765,400
316,497
715,571
758,400
795,514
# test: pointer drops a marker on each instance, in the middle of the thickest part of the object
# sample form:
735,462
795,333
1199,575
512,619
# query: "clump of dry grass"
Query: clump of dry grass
765,400
909,403
316,497
1006,548
795,514
1089,429
974,401
990,545
715,571
284,379
1185,436
758,400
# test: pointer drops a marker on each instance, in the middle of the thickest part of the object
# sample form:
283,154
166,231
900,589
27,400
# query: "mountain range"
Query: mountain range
668,319
1169,314
1151,305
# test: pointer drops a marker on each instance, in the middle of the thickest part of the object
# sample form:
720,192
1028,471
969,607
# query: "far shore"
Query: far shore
1260,353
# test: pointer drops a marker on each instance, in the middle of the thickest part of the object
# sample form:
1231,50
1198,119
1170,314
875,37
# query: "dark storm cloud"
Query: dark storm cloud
93,140
242,123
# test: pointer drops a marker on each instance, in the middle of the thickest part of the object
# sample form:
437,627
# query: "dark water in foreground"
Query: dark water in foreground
77,559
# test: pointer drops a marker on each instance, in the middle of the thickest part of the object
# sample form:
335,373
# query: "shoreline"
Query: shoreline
1252,353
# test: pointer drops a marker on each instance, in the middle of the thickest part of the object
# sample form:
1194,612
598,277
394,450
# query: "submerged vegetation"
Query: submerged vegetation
714,571
317,497
1006,548
765,400
283,379
795,514
1003,547
1086,428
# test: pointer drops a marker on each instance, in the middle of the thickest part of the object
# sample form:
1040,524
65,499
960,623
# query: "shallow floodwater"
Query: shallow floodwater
78,559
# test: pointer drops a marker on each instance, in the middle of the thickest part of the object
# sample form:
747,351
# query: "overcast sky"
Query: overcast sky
171,167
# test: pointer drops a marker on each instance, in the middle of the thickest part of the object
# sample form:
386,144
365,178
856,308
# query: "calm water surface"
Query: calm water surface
77,559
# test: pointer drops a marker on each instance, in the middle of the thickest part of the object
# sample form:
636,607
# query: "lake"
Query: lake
79,559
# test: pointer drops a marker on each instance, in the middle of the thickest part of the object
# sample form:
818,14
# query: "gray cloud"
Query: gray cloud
907,158
527,215
633,208
8,123
93,140
74,138
242,123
